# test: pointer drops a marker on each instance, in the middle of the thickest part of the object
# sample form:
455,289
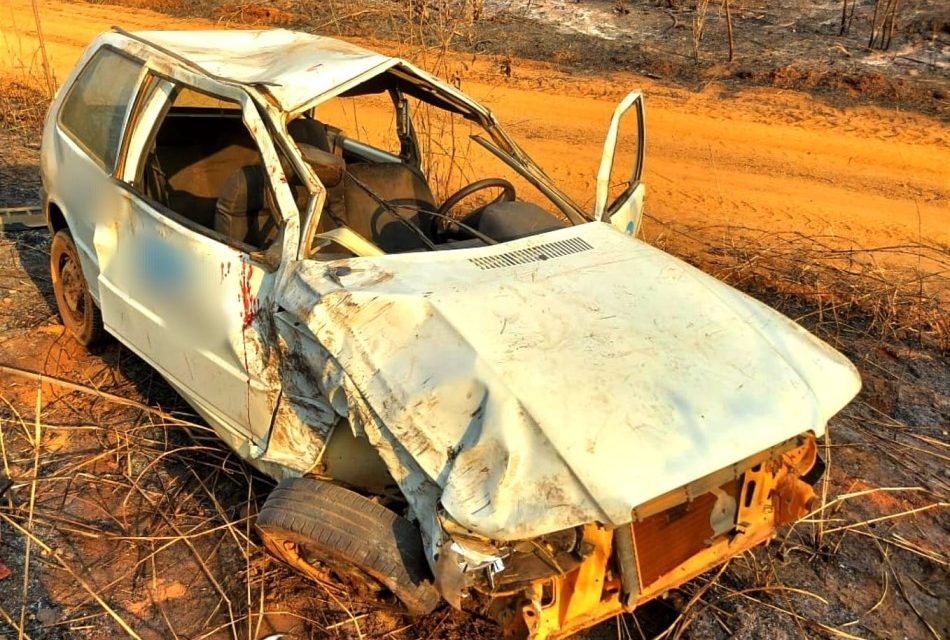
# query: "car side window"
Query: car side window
94,110
203,164
367,118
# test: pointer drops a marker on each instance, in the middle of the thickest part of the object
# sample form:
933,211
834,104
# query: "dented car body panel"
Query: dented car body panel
291,67
574,389
549,404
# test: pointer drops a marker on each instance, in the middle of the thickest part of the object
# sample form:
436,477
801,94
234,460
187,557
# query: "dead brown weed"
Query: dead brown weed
22,105
890,293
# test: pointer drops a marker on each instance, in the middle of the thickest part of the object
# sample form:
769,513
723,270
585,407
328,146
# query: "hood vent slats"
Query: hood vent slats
539,253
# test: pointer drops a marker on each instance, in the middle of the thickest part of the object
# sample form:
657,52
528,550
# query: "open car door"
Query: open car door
625,208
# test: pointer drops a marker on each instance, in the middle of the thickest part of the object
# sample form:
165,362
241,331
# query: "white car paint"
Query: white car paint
523,388
567,377
292,67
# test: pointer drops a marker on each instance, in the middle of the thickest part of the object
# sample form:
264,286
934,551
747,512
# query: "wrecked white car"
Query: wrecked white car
481,393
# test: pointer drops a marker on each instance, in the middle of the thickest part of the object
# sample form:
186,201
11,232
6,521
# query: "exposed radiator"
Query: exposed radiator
667,539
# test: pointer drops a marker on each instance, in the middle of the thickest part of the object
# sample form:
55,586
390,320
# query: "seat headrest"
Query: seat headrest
327,166
309,131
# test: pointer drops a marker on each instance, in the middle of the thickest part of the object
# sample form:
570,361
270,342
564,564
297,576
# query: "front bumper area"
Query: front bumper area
670,541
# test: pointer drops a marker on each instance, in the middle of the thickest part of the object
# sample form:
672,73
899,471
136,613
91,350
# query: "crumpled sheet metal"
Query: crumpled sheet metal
567,390
319,394
290,66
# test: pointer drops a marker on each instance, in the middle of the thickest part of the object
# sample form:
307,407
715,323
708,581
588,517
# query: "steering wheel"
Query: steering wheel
507,195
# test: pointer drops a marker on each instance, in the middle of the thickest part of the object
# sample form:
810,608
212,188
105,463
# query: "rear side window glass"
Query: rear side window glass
94,110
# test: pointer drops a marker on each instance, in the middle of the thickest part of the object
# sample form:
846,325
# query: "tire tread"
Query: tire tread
348,525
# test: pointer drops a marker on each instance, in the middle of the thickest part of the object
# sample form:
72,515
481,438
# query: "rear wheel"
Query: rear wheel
79,313
347,542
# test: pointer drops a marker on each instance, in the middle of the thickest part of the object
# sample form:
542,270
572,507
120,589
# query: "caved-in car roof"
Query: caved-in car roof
294,67
298,68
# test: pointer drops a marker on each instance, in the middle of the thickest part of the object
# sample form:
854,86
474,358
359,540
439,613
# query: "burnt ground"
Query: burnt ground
792,45
137,516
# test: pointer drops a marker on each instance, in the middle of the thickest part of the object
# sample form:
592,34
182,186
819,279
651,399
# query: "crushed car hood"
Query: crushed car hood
568,377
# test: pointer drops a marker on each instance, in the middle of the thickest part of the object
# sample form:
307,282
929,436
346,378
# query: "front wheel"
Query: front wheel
79,312
342,539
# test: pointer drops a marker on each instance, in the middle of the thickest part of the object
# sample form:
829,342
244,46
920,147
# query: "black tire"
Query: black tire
79,312
331,534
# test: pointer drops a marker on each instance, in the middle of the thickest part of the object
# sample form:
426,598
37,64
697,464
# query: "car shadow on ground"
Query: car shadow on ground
26,253
148,506
19,176
158,590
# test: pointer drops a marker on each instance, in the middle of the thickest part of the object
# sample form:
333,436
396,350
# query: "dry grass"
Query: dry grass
22,105
29,83
141,496
897,292
135,481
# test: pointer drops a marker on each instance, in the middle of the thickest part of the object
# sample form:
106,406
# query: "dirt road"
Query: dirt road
762,158
159,522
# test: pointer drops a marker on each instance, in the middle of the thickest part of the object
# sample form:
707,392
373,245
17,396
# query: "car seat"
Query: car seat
241,211
406,195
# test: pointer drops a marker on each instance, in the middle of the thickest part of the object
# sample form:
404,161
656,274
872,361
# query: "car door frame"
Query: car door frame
263,388
626,211
82,224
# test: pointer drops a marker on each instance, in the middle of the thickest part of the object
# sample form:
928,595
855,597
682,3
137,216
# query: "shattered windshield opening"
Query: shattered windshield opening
408,169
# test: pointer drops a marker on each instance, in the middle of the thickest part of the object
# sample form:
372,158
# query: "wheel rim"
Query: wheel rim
340,576
73,287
